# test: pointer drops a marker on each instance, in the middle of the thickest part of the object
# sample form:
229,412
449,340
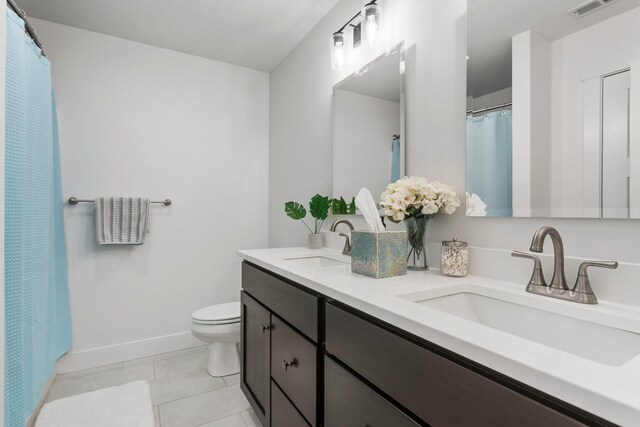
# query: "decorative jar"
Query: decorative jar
455,258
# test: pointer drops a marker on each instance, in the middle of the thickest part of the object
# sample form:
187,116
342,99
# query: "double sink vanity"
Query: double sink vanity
324,346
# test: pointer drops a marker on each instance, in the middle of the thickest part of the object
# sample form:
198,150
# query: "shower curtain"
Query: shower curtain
489,162
37,312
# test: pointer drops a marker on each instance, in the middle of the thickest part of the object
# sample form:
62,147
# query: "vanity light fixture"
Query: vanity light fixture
365,27
338,53
371,21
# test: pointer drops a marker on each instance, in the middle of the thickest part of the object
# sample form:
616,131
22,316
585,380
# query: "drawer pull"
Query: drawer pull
286,365
265,328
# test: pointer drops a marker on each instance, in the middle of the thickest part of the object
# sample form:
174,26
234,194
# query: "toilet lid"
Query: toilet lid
218,313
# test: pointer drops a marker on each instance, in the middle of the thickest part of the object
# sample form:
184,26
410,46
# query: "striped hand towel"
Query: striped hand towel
122,220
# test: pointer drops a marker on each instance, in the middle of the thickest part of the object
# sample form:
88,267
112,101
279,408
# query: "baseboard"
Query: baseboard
30,422
107,355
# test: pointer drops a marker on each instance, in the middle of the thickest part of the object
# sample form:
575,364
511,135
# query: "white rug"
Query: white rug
127,405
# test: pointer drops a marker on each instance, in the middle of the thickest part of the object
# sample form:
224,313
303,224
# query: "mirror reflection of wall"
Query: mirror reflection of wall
551,108
368,122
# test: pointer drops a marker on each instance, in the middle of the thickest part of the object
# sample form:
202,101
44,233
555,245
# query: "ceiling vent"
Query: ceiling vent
589,7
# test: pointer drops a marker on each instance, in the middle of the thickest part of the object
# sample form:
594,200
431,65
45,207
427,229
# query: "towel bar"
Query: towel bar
75,201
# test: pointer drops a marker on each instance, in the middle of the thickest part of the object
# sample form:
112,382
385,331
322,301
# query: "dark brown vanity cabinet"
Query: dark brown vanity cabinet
434,388
311,361
280,350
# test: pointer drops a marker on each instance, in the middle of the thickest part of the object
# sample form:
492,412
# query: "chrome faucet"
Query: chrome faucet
558,280
347,243
581,291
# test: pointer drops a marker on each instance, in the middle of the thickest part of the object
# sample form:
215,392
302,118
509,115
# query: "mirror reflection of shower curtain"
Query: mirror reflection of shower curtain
395,158
489,162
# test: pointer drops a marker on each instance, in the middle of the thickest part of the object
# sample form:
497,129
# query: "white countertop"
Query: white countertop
611,392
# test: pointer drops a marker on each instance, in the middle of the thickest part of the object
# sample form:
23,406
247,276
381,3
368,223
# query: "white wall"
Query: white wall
531,123
435,32
502,96
577,62
140,120
363,130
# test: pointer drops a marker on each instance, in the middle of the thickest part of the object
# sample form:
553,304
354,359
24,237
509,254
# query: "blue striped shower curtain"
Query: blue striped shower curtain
37,312
489,161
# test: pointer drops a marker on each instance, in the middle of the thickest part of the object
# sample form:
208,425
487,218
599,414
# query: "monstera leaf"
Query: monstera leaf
319,207
295,210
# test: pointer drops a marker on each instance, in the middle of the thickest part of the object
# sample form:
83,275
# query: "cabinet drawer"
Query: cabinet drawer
436,389
298,307
348,402
293,367
284,414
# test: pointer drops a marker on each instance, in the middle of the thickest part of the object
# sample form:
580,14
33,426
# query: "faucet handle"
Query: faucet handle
582,289
347,244
537,277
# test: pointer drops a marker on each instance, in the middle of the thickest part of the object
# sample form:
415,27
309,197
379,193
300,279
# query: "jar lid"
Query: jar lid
454,242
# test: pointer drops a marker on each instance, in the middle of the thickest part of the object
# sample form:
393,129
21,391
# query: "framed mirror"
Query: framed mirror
368,127
553,108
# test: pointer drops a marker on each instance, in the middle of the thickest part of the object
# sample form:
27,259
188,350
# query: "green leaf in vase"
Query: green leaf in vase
295,210
319,207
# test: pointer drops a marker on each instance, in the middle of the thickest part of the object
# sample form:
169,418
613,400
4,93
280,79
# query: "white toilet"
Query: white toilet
219,327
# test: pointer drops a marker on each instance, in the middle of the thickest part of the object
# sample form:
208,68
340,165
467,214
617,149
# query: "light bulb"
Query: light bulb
371,20
338,53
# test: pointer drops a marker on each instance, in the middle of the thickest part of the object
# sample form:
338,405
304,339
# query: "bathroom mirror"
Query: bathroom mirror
368,127
553,108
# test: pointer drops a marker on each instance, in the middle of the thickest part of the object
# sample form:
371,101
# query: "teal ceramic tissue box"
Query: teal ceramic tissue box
379,255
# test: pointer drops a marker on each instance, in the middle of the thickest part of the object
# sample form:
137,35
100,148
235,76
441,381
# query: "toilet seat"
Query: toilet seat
219,314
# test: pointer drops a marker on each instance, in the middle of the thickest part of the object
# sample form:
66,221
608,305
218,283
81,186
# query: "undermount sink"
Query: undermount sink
594,341
316,261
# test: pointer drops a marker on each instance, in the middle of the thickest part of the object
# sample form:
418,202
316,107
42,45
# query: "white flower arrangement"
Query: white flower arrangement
413,196
475,205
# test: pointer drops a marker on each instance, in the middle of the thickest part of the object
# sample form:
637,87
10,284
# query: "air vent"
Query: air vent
589,7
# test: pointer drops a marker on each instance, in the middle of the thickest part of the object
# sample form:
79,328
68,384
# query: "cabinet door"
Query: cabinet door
256,346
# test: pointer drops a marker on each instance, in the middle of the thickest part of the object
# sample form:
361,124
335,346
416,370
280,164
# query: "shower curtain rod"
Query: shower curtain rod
30,30
488,109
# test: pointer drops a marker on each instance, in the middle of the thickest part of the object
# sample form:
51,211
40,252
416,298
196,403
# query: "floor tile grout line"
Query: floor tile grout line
228,416
79,374
189,396
198,394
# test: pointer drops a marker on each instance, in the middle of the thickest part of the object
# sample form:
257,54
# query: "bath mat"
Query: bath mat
127,405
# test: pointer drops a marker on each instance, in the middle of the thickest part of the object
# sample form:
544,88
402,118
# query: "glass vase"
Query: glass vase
417,251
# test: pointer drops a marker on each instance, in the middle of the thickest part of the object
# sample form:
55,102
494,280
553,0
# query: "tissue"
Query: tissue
375,252
369,209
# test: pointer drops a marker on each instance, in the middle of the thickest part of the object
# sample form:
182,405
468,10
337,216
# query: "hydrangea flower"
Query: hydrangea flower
413,196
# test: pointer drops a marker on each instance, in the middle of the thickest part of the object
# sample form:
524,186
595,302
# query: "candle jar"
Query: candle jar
455,258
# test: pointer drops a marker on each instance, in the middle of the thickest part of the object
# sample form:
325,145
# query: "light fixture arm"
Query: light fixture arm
354,17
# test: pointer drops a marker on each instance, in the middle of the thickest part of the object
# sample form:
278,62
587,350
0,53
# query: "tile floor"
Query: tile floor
183,393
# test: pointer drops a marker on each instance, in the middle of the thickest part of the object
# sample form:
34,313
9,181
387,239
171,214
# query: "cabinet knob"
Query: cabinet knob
265,328
286,365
